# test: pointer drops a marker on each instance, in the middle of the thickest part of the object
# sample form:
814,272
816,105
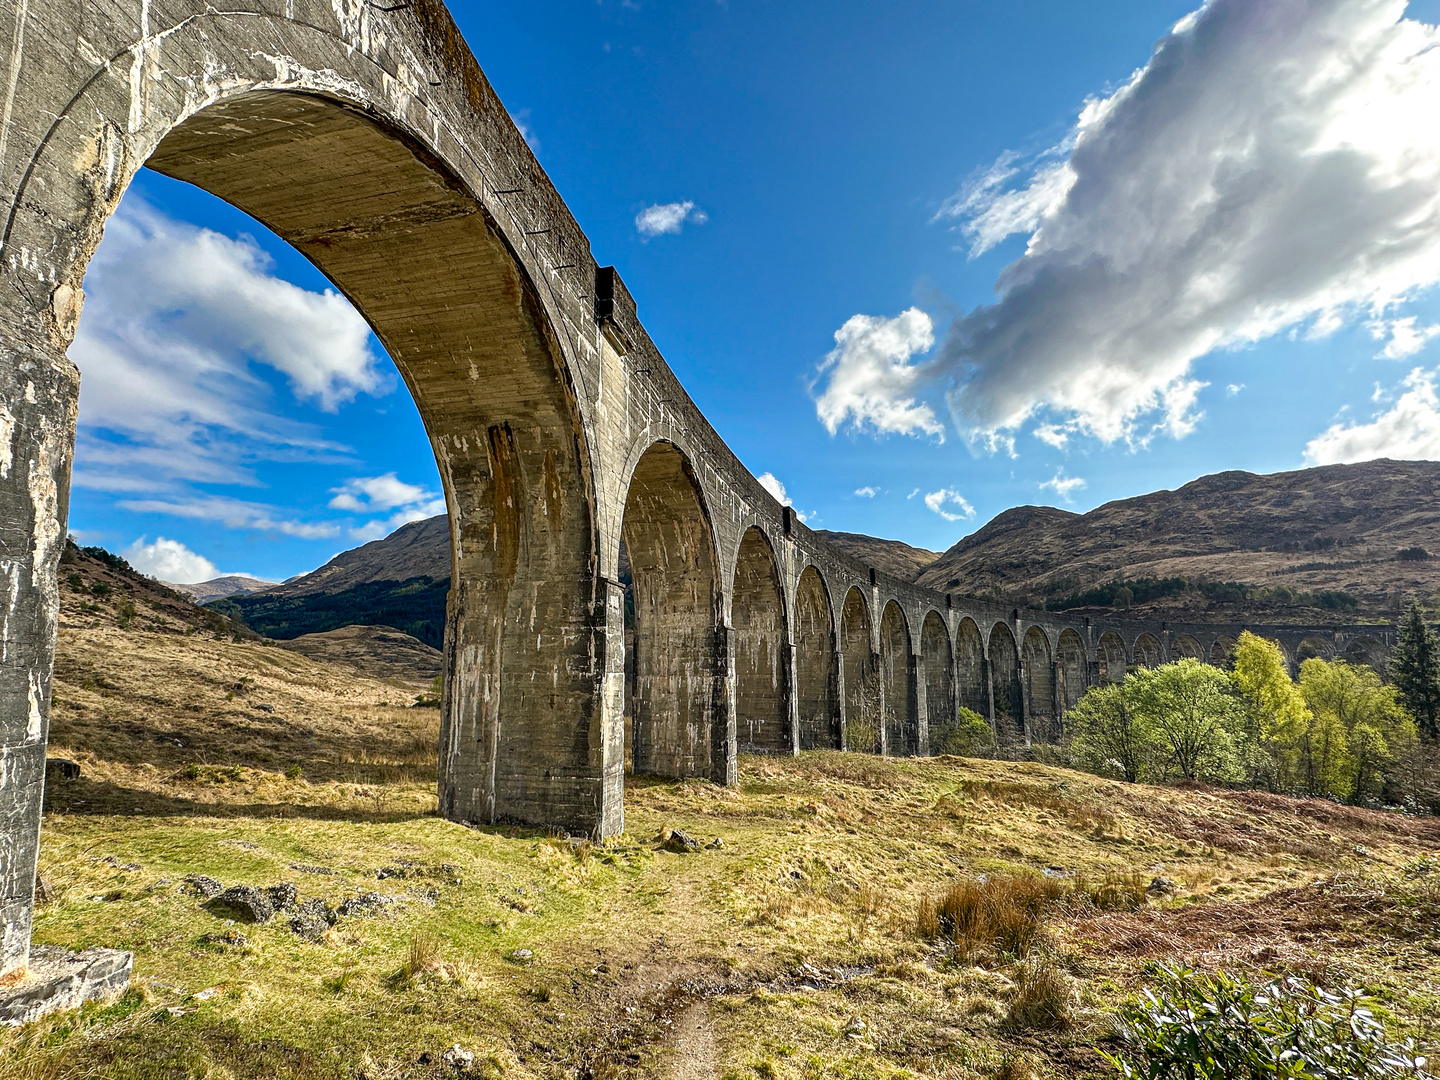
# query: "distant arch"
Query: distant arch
1070,668
1148,653
757,615
815,664
902,722
1185,645
1222,652
1367,650
939,679
1314,648
970,668
863,706
1111,648
1005,683
679,712
1039,674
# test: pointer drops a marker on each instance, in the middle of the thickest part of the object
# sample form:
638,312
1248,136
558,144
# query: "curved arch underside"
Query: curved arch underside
679,711
1006,690
418,257
757,613
1039,673
815,664
864,695
939,663
901,733
1070,669
970,668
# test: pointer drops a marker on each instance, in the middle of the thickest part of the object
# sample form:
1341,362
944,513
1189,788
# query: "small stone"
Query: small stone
522,956
206,995
715,845
206,886
679,841
1160,886
1361,850
458,1058
366,903
245,902
61,769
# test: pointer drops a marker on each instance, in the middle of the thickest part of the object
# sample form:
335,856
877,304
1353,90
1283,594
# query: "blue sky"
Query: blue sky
1040,300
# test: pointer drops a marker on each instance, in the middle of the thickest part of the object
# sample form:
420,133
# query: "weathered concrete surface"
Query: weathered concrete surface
366,136
60,979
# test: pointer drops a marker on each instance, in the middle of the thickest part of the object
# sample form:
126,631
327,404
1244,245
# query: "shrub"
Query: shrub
100,588
125,614
1413,554
1006,911
1042,997
1220,1027
969,735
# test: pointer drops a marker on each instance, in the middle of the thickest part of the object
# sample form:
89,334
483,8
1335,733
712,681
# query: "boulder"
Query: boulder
205,885
245,902
313,919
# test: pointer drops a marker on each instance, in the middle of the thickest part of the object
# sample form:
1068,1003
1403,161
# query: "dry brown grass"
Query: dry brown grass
1006,911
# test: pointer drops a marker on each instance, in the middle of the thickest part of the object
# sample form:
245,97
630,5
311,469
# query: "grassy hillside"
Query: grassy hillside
792,951
1369,530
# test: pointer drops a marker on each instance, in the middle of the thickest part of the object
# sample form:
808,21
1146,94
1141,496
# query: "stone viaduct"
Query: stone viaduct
365,135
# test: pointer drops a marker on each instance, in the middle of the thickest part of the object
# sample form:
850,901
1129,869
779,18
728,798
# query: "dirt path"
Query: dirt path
694,1045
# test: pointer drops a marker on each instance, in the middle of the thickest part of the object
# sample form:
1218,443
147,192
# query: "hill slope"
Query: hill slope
1339,527
792,948
893,557
202,592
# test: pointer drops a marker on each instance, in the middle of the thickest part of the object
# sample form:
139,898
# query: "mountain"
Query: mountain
1369,531
202,592
888,556
378,652
420,549
399,581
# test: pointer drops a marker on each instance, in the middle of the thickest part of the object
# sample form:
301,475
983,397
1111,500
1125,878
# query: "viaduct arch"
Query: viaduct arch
367,137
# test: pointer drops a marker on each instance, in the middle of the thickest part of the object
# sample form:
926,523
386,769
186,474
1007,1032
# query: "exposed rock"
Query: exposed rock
458,1058
59,768
245,902
366,903
1160,886
522,956
205,885
313,919
60,979
677,840
283,897
715,845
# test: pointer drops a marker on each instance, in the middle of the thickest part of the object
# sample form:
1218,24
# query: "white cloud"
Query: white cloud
1056,435
870,380
377,493
177,322
1063,485
937,501
521,119
170,560
1405,339
668,218
771,483
1234,388
912,494
867,492
1272,167
233,514
1409,429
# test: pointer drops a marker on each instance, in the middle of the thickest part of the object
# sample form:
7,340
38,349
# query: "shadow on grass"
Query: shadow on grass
102,798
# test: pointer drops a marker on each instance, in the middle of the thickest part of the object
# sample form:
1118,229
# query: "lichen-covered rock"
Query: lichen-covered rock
205,885
313,919
283,897
366,903
245,902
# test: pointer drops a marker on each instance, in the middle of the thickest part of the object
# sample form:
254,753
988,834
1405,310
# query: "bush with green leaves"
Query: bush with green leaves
1220,1027
970,735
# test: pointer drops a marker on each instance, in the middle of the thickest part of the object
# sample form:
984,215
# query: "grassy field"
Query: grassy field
797,948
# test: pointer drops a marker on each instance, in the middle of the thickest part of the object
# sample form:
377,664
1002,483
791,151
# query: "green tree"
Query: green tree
1374,731
1275,712
1106,735
1415,667
1194,715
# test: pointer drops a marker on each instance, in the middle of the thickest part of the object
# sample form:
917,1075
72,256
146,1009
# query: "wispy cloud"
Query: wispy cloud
369,494
179,323
233,514
939,500
662,218
867,492
1063,485
771,483
1409,429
